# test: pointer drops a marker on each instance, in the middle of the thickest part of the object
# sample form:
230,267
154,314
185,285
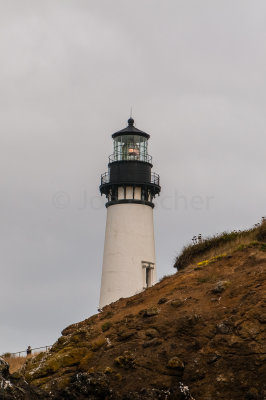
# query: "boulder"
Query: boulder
177,303
175,363
220,287
4,368
150,312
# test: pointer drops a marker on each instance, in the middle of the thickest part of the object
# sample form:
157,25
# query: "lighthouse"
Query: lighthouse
130,187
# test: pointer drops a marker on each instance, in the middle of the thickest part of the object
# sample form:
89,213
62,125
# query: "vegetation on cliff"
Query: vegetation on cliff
218,244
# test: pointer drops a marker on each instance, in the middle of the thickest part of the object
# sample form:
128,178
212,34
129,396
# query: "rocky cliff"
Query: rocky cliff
14,387
198,334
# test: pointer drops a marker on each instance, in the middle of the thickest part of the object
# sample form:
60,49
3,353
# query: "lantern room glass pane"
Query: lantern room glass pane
130,147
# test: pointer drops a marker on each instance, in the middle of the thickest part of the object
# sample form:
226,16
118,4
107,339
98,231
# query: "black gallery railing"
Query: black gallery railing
155,179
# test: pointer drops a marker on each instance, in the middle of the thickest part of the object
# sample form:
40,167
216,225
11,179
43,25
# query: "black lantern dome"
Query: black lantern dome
130,166
130,129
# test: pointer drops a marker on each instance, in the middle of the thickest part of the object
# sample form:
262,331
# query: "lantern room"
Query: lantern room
130,144
130,147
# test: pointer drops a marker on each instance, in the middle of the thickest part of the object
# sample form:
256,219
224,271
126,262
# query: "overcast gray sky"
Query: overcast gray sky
70,70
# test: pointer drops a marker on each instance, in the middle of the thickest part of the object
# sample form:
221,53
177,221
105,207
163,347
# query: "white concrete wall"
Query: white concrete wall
129,240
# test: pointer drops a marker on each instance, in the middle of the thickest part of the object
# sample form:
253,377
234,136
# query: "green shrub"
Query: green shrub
261,232
107,315
125,361
204,279
263,247
241,247
164,277
107,325
108,370
98,344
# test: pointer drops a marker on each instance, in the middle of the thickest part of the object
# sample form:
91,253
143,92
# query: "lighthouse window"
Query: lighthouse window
148,277
114,194
130,147
144,194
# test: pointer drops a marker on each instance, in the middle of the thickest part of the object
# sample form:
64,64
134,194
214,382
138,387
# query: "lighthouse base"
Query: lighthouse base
129,252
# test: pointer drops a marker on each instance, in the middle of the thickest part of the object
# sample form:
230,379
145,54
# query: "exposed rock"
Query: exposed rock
162,300
175,363
124,334
95,384
126,361
220,286
150,312
213,358
252,394
4,368
223,328
177,303
261,318
152,342
152,333
15,388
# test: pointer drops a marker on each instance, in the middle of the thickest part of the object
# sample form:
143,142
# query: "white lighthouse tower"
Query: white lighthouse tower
130,187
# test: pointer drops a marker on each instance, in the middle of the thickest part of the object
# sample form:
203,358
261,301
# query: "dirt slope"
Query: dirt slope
199,334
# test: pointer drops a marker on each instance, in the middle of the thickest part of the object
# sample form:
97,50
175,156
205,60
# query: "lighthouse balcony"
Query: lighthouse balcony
130,190
154,180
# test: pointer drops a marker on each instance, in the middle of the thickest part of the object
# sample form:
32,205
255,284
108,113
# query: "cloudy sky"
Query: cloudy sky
194,73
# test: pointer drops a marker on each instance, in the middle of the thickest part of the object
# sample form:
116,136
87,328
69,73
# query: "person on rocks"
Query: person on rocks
28,351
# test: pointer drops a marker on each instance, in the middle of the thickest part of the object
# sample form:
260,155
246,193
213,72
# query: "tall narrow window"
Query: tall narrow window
114,194
148,277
